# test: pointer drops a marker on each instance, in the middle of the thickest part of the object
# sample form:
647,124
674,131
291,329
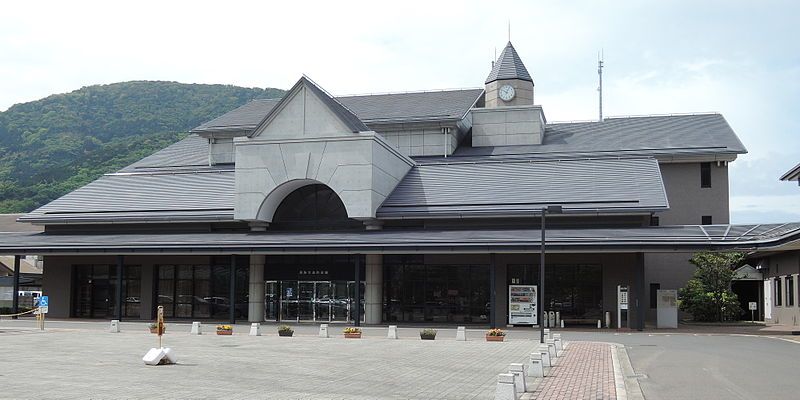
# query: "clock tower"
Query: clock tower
509,83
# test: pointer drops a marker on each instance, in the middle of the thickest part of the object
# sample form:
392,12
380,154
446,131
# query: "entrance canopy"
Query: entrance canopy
649,239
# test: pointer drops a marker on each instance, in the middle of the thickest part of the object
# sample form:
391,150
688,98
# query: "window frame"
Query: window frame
705,174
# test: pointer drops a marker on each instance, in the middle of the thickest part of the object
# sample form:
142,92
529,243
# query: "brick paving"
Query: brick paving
585,371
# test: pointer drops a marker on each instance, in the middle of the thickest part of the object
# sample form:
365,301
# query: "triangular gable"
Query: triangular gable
509,66
308,110
747,273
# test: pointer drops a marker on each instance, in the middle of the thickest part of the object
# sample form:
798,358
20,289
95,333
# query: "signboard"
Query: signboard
667,308
44,303
623,297
522,305
752,306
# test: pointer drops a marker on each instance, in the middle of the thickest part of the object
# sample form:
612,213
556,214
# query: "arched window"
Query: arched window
312,207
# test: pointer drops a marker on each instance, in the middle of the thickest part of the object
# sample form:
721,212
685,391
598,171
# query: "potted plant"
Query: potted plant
495,335
352,333
285,330
224,330
427,334
154,328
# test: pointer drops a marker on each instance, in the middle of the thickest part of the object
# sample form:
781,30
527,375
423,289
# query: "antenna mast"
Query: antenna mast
600,75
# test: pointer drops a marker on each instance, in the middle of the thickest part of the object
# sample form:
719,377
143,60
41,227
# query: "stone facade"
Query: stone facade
522,89
505,126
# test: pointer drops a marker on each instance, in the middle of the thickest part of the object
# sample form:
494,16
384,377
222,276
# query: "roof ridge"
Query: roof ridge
632,116
410,92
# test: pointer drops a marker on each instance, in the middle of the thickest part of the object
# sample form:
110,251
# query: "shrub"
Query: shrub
708,295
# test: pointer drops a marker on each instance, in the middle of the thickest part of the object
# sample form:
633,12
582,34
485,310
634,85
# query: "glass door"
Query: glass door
305,305
271,301
351,292
322,301
289,300
340,302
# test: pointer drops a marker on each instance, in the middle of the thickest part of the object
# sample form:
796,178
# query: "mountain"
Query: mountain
52,146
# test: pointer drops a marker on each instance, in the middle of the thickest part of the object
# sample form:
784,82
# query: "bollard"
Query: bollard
559,322
551,348
392,332
608,319
519,377
598,324
559,345
461,334
535,366
114,328
505,387
545,353
323,331
255,329
197,328
546,333
551,316
562,323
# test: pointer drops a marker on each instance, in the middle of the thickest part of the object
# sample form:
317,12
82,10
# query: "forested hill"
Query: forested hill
51,146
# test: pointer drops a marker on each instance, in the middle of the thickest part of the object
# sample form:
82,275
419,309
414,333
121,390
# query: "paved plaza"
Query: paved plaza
87,362
585,371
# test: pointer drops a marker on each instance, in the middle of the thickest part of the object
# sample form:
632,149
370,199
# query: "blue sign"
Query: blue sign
43,301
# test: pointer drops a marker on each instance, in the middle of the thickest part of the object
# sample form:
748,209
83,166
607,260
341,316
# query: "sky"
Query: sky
738,58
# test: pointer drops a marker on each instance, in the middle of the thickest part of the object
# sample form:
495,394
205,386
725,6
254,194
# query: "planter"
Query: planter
427,337
155,330
495,338
225,332
352,335
285,333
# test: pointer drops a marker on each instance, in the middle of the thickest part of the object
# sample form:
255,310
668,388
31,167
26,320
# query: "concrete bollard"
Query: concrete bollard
559,322
535,366
551,348
562,323
519,377
545,353
114,328
392,332
461,334
197,328
255,329
505,387
558,343
598,324
547,334
323,330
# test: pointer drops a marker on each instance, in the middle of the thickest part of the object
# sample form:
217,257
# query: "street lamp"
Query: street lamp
540,300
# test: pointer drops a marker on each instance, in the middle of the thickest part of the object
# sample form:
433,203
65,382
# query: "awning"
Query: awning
685,238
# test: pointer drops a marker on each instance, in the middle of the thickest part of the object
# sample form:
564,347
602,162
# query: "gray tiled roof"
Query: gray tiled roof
244,118
173,196
509,66
192,151
657,239
350,120
371,109
792,174
669,135
522,187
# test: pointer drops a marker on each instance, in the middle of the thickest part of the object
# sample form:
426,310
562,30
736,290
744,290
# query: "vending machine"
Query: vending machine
522,308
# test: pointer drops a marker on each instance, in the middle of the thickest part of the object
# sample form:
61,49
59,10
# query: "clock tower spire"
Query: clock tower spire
509,83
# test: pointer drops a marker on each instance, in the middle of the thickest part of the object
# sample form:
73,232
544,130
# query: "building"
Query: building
781,269
425,206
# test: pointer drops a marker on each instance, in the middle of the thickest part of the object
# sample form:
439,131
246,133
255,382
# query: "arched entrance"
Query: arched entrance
312,207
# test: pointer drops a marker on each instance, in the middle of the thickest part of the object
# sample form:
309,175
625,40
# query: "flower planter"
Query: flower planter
155,331
495,338
427,337
225,332
352,335
285,333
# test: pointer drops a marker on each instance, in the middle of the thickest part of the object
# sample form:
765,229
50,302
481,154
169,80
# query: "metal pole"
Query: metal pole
357,300
541,284
492,291
15,295
639,292
118,302
232,292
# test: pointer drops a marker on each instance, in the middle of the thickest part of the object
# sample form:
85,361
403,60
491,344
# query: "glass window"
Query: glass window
706,220
778,291
576,291
202,291
789,291
654,287
705,175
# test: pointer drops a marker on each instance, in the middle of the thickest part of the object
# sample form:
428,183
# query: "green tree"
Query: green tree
708,295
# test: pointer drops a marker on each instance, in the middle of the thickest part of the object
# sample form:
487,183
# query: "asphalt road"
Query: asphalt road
701,366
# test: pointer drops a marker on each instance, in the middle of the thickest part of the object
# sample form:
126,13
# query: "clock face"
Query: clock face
507,92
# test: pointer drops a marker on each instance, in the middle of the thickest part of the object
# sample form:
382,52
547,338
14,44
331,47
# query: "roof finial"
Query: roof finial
509,30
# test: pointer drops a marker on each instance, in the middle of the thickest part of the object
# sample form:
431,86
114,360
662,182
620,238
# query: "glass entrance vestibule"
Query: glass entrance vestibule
312,301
